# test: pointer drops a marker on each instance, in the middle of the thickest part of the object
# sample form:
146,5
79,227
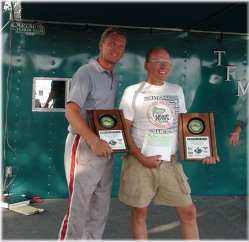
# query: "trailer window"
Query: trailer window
49,94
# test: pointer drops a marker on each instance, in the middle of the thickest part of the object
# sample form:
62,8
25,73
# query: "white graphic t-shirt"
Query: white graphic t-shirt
153,109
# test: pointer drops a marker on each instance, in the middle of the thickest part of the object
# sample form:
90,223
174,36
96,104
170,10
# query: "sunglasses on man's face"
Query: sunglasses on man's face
160,61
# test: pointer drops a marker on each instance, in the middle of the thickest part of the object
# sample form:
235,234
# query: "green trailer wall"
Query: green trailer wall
34,141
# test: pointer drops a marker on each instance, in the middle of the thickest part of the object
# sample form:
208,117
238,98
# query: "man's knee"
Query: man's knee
139,214
187,214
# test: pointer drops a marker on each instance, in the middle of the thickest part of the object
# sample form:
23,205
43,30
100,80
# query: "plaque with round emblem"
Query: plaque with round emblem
109,125
196,126
107,121
196,136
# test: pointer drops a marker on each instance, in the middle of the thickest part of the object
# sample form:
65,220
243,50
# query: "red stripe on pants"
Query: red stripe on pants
71,186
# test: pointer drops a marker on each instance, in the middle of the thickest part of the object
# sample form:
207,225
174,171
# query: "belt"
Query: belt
171,161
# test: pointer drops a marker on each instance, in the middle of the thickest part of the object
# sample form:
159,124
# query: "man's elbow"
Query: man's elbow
71,109
67,111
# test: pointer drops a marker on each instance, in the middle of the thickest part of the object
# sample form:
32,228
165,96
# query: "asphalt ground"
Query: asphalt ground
219,218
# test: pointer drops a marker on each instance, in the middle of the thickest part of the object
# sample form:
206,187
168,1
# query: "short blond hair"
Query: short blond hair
108,32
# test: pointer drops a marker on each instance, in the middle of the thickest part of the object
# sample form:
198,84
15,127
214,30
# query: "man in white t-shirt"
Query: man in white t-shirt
151,170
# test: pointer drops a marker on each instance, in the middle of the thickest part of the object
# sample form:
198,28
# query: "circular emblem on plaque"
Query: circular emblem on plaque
196,126
107,121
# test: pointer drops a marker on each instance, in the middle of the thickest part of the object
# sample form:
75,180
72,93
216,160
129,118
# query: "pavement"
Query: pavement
219,218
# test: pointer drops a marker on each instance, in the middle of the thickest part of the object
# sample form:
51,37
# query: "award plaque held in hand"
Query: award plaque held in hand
110,126
196,134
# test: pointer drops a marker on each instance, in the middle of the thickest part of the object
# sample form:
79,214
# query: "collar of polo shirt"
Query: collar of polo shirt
99,68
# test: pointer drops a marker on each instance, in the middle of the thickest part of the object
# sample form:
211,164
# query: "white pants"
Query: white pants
89,179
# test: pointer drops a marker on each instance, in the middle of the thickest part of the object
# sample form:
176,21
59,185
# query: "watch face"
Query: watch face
107,121
196,126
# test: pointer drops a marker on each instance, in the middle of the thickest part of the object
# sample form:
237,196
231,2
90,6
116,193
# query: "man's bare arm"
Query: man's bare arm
235,135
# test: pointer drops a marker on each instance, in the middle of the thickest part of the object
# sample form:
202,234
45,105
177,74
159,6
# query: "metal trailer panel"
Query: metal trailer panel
34,141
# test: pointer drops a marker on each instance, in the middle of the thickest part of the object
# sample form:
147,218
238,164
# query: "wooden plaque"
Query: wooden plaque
110,126
196,135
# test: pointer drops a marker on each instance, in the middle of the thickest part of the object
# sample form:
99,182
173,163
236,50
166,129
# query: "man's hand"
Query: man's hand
150,161
101,148
235,135
234,138
210,160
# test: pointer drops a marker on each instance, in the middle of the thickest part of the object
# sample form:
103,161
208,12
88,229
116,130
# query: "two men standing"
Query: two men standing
88,163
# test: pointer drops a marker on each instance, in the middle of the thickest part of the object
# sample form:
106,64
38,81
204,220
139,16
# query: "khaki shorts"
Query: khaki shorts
165,185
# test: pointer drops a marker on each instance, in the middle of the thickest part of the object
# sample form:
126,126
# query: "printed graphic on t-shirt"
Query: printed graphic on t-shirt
163,112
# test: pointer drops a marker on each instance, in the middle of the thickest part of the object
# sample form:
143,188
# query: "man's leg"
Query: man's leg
74,225
187,217
138,222
138,186
174,191
82,178
99,204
